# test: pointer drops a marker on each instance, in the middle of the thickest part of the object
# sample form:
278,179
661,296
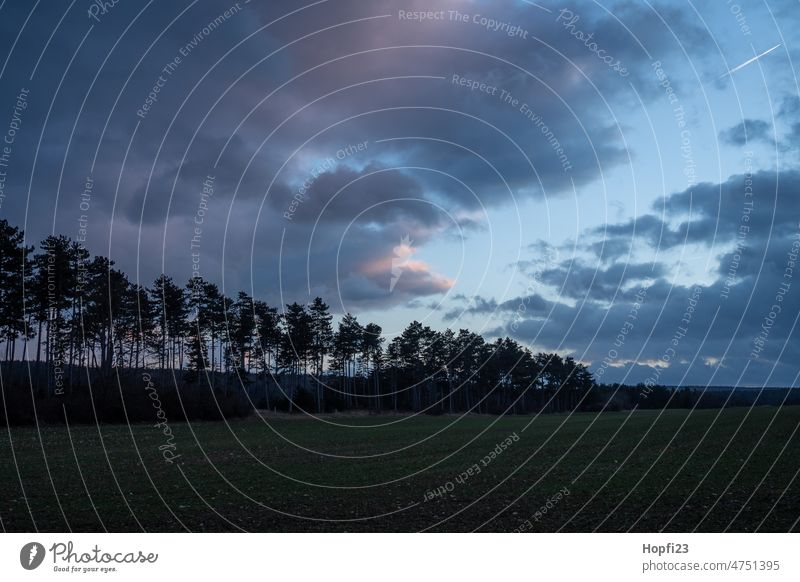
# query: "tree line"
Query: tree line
68,312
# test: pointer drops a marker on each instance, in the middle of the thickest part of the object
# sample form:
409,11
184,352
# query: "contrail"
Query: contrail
744,64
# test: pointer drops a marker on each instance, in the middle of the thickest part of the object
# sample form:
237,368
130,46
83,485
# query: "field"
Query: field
710,470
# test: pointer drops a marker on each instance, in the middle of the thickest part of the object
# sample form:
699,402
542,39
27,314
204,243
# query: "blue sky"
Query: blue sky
457,209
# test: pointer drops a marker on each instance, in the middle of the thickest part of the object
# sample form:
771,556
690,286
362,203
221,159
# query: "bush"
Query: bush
132,397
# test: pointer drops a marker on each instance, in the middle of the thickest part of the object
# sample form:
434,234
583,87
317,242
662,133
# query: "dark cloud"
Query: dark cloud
763,204
375,194
749,131
741,326
475,305
579,281
258,104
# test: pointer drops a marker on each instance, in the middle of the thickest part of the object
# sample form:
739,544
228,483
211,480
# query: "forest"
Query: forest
78,336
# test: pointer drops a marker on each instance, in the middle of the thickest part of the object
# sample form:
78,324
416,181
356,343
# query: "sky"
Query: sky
596,179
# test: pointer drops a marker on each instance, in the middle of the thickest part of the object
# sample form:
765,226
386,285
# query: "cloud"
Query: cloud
762,204
376,194
575,280
735,326
746,132
472,306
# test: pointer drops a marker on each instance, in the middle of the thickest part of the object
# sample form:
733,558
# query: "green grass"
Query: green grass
254,474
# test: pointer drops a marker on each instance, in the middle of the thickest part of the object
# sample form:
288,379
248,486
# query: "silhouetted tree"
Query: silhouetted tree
270,336
297,342
321,340
103,313
346,348
57,284
371,356
171,311
15,268
242,325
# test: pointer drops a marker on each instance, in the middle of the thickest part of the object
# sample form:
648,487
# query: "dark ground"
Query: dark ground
247,474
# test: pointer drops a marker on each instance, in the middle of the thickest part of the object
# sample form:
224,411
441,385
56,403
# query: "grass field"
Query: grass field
347,474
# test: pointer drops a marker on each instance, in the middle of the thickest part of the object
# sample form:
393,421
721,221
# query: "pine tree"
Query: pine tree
172,312
198,328
104,319
372,355
242,326
196,351
15,266
215,312
322,337
144,328
346,348
269,333
56,285
296,347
